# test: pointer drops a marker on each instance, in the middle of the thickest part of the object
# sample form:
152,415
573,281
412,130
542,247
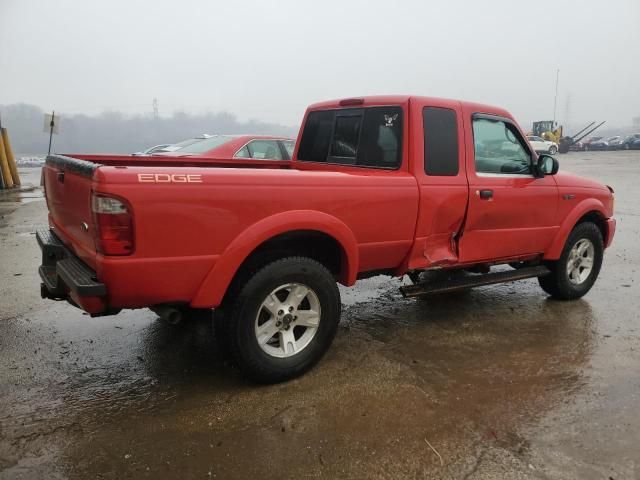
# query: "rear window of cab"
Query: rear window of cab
363,137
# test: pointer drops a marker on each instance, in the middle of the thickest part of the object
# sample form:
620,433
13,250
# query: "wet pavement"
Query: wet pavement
498,382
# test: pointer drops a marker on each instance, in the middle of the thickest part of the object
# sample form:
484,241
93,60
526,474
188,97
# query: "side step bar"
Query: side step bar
427,288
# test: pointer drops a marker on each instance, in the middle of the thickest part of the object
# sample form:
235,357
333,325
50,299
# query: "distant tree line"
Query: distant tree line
115,132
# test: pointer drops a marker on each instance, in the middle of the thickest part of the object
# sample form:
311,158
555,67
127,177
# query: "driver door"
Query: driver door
510,212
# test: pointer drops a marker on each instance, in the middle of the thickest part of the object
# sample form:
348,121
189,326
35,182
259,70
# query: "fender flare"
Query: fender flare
584,207
217,281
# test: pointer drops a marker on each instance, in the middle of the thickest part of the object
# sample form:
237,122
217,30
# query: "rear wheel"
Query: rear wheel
575,272
283,320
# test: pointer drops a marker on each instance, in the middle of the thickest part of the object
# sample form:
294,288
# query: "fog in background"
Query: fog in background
115,132
222,64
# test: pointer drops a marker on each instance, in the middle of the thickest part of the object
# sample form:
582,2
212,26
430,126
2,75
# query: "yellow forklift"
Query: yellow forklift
546,130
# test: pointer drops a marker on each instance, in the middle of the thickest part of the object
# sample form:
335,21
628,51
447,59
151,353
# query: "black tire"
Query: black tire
553,150
240,323
557,283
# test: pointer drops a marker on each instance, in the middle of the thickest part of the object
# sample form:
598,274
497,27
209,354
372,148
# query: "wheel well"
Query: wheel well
301,243
598,219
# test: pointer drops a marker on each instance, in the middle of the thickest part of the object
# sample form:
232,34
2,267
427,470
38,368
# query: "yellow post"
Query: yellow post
13,167
4,164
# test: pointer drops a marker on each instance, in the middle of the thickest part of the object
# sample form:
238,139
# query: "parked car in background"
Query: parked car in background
626,143
152,150
586,143
174,147
238,146
540,145
615,143
602,144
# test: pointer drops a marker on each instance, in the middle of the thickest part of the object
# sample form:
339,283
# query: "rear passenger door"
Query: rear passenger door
438,155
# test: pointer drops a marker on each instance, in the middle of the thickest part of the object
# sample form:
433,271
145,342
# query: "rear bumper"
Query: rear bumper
611,231
65,277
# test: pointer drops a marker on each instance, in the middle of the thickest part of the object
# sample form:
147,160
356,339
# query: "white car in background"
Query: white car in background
540,145
152,150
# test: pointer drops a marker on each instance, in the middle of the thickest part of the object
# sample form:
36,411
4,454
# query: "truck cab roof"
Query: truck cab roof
372,100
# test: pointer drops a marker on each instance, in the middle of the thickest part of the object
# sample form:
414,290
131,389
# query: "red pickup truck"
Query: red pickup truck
394,184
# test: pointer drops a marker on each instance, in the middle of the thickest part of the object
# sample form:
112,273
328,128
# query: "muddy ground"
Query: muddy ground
500,382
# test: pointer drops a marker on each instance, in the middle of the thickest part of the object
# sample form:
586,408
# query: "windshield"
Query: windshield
205,145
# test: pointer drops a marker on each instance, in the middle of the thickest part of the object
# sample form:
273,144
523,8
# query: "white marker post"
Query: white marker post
51,126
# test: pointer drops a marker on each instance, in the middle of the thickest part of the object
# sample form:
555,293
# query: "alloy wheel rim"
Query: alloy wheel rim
287,320
580,261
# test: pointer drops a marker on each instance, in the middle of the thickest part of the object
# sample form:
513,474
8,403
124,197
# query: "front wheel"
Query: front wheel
283,320
553,150
575,272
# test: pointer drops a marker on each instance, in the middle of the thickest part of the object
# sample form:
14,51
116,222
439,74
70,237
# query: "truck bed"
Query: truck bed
182,228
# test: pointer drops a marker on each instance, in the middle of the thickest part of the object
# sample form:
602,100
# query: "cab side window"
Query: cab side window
440,141
499,148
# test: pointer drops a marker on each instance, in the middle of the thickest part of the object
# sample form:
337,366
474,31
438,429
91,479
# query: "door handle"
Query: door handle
485,194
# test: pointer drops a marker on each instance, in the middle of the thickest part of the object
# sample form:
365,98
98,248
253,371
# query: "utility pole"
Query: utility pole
156,108
567,110
555,99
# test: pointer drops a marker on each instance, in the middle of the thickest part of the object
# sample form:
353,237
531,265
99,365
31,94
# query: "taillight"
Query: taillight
114,225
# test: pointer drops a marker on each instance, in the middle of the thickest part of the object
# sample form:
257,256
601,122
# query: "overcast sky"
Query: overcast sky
268,59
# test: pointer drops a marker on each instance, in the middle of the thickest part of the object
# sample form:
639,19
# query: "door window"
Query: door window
264,150
243,153
499,148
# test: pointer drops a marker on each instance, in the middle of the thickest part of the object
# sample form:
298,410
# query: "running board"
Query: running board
427,288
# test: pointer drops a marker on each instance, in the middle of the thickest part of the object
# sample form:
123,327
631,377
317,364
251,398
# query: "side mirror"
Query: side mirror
547,165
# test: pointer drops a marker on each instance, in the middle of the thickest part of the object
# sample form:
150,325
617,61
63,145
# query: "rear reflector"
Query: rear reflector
114,225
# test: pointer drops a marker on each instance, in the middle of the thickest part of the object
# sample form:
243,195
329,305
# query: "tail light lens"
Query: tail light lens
114,225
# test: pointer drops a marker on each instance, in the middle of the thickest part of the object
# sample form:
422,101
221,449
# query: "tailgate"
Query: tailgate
68,184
